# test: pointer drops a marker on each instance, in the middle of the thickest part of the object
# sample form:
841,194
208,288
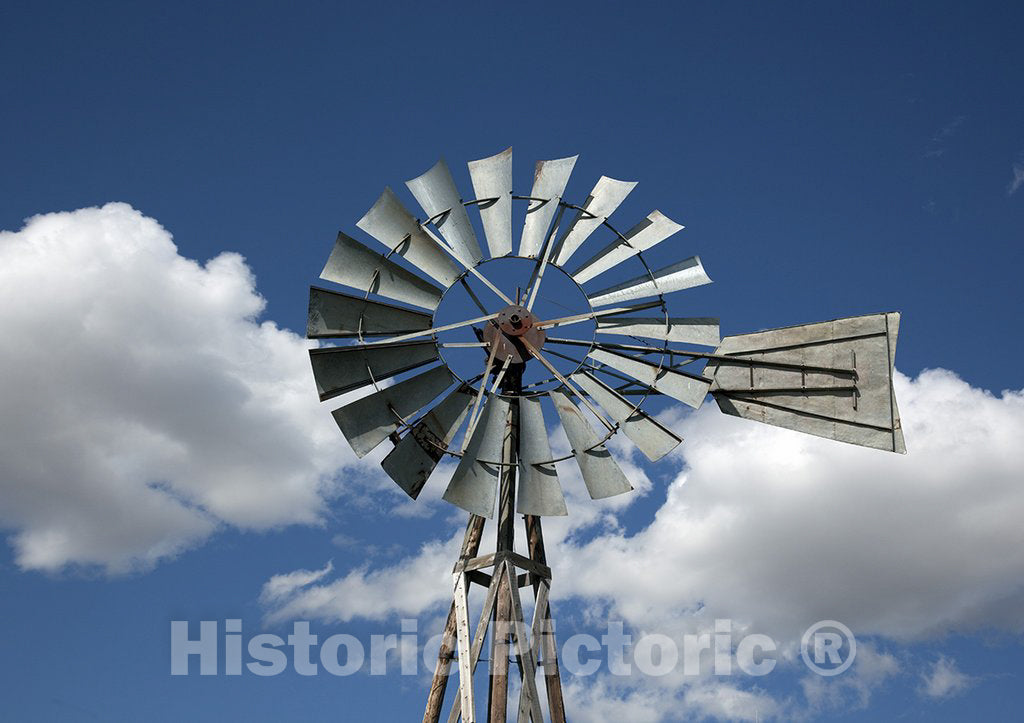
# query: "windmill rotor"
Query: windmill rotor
463,363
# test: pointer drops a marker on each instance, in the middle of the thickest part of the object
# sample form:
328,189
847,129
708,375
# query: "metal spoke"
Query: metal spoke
468,266
543,260
436,329
576,318
568,385
473,418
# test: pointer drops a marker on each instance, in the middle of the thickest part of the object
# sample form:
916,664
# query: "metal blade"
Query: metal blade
539,491
687,389
474,486
601,473
680,275
352,264
436,192
341,369
651,231
602,201
369,421
650,437
549,181
333,314
492,179
394,226
856,406
414,458
696,330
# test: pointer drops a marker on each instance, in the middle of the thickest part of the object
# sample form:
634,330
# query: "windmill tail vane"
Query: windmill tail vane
475,389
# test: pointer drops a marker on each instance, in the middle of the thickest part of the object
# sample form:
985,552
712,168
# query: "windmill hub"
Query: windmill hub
514,325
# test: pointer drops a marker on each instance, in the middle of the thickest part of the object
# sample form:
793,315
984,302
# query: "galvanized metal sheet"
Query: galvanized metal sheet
608,193
650,437
333,314
492,179
539,490
601,473
687,389
414,458
648,233
692,330
681,275
474,486
816,401
391,223
352,264
436,192
369,421
549,181
341,369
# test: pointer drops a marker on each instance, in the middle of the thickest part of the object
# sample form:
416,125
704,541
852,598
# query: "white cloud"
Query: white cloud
780,530
1018,177
281,587
944,680
937,146
408,588
145,405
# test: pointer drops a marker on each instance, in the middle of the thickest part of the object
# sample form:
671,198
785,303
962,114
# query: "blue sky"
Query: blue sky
827,160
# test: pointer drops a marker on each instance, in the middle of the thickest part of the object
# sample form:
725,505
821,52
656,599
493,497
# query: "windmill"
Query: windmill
592,368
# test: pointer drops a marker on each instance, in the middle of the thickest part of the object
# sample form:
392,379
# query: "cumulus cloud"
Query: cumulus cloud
944,680
145,403
781,530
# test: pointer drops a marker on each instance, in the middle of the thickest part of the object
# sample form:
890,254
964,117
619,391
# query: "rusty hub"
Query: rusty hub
515,322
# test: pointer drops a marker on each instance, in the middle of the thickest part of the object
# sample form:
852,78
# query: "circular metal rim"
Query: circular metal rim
535,393
405,425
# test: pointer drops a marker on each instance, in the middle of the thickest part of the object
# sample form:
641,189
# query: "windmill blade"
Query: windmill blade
393,225
334,314
650,437
369,421
341,369
695,330
805,388
539,491
602,201
681,275
648,233
414,458
601,473
474,486
436,192
687,389
352,264
492,179
549,181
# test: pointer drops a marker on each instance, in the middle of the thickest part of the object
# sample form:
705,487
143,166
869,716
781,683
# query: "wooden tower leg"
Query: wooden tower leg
435,699
498,681
543,625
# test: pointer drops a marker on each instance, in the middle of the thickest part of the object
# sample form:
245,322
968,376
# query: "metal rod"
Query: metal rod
558,375
704,355
542,264
576,318
436,329
469,267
